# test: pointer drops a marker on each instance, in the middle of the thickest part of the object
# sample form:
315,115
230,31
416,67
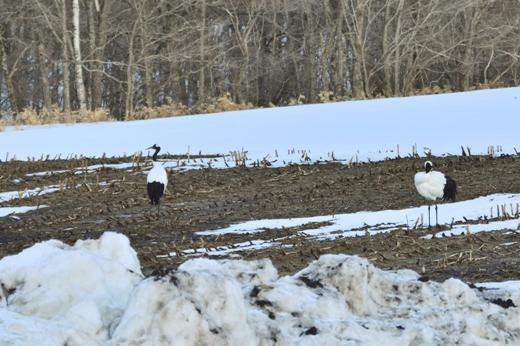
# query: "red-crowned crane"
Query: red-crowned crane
157,179
433,185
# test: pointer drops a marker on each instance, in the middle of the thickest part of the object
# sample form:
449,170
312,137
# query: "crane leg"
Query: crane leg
429,224
436,217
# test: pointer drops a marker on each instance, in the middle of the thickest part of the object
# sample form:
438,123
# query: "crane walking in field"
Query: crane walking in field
157,179
433,185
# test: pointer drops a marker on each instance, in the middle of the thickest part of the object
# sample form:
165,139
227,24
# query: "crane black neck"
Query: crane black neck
154,157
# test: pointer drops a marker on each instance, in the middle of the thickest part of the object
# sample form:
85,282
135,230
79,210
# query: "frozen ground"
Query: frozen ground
351,130
93,293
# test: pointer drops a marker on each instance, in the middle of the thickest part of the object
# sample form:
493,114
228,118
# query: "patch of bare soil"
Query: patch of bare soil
90,203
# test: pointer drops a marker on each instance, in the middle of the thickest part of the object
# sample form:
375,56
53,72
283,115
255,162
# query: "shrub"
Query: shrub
220,104
166,110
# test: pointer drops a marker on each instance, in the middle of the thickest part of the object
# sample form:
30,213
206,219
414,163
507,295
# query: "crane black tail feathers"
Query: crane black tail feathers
155,192
450,190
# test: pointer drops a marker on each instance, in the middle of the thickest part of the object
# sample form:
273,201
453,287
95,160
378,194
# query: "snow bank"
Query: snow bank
92,293
357,129
54,294
336,300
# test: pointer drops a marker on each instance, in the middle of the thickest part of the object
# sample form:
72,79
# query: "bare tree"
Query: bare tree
80,86
65,54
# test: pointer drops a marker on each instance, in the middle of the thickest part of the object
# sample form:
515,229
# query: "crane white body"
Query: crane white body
157,174
430,185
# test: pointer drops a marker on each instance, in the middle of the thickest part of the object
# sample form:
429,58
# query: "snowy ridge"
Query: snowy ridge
93,293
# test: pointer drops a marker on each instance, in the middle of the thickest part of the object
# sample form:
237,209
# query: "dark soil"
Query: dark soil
214,198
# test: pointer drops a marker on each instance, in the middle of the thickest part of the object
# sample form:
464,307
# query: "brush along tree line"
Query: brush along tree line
144,58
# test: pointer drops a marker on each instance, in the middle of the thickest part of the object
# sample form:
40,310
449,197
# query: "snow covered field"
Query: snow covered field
93,293
351,130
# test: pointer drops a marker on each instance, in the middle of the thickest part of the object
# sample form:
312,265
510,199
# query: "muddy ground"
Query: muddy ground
91,203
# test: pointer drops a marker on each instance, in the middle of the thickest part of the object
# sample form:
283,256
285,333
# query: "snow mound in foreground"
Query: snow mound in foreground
93,293
66,294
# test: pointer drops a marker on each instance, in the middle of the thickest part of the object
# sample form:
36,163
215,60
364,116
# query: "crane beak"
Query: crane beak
149,148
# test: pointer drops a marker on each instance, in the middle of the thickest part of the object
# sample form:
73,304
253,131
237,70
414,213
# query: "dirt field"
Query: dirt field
89,203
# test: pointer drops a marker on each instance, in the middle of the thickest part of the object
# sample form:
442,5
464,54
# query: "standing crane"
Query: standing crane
157,179
433,185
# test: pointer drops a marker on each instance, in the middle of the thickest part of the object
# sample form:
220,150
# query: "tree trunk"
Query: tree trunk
44,76
1,77
308,55
354,12
11,92
471,18
99,53
397,55
291,55
339,78
148,64
130,72
387,84
77,57
148,80
202,49
65,63
92,43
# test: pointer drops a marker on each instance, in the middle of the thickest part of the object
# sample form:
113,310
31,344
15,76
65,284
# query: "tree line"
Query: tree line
123,55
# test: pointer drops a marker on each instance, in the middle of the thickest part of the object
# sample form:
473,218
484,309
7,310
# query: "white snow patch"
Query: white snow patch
4,211
82,170
476,228
39,191
97,167
46,173
510,285
256,226
252,245
12,195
